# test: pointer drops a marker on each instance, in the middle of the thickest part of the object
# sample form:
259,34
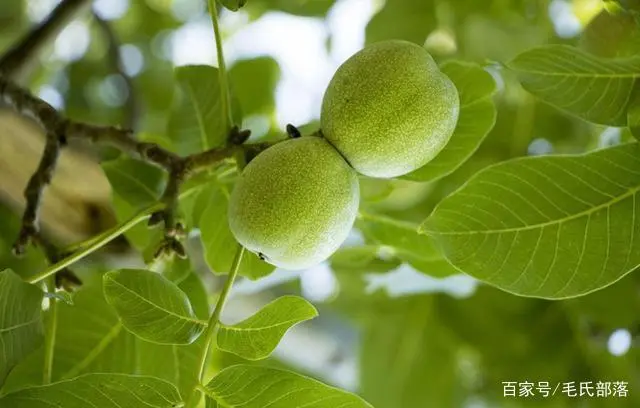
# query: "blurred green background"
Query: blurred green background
400,338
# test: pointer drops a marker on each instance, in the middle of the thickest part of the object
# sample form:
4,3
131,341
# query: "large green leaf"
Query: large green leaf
152,307
197,120
551,227
218,241
404,241
20,320
259,387
477,117
593,88
97,390
256,337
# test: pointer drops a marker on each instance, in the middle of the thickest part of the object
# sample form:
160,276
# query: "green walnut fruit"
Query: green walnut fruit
389,110
295,203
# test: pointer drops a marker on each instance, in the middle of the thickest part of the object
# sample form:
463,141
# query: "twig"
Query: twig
132,108
59,130
19,56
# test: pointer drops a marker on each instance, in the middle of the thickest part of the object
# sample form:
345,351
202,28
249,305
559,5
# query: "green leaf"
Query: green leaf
21,329
408,359
551,227
90,338
182,368
136,182
218,241
254,82
477,117
593,88
354,257
259,387
633,113
233,5
135,185
197,120
318,8
417,17
97,390
404,241
256,337
152,307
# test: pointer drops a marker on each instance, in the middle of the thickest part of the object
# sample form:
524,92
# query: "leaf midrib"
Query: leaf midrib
199,116
189,319
276,325
587,212
20,325
628,75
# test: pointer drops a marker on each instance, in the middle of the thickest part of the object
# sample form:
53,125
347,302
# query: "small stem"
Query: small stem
97,243
222,69
215,319
50,339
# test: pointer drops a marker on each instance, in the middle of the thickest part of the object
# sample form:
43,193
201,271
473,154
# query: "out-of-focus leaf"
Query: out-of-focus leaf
407,360
256,337
477,117
21,329
317,8
611,35
373,190
633,113
197,120
593,88
254,82
354,257
152,307
417,20
135,185
97,390
402,239
233,5
29,264
136,182
259,387
218,241
552,227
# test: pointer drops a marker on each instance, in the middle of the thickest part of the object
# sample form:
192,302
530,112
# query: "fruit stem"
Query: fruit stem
214,320
222,69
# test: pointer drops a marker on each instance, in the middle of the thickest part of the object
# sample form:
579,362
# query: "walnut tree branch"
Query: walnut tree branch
17,58
59,130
